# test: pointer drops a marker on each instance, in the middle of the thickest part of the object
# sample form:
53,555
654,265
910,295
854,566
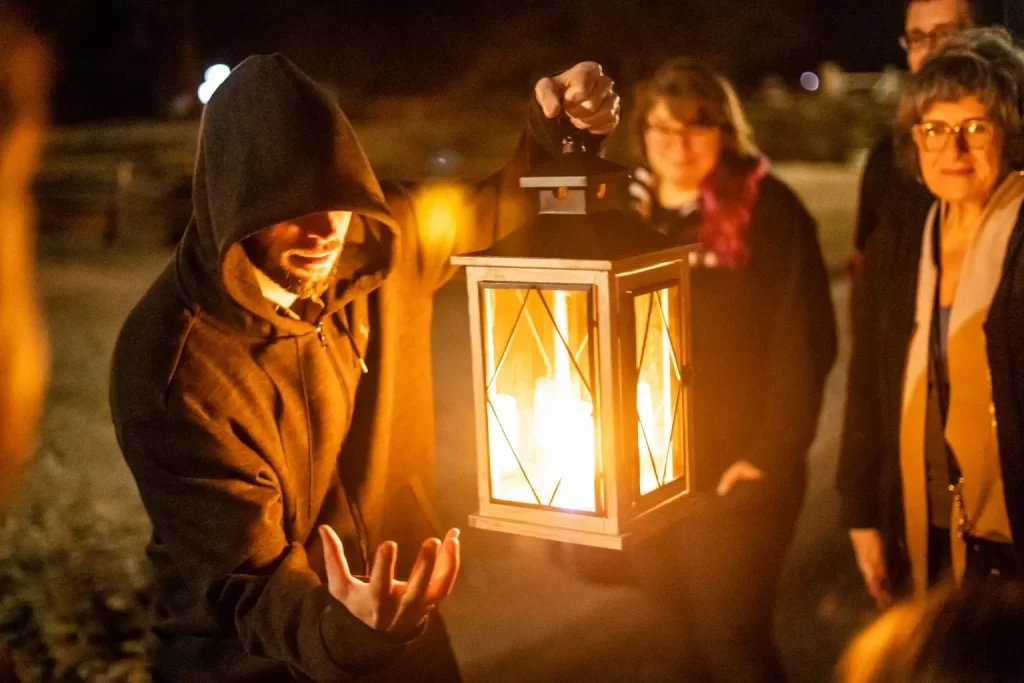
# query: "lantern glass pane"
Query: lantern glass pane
541,429
659,396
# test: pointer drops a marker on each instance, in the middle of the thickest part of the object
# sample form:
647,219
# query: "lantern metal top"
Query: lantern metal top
574,168
596,241
582,219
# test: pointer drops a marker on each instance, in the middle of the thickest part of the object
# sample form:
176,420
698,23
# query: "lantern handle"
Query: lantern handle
573,139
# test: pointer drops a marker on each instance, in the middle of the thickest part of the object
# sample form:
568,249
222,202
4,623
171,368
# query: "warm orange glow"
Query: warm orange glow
440,210
659,426
541,416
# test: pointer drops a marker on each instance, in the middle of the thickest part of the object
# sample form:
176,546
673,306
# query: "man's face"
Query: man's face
301,255
930,23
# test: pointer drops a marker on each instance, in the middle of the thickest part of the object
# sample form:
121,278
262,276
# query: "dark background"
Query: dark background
128,58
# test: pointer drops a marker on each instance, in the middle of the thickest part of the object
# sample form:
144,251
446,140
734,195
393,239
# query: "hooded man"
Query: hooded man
274,383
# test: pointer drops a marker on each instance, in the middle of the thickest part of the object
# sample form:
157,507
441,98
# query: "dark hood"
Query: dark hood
273,147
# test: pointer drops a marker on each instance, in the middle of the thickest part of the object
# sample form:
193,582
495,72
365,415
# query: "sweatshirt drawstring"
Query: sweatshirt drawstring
309,433
355,348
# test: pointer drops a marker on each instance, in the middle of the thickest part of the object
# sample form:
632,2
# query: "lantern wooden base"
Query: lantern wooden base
550,533
643,527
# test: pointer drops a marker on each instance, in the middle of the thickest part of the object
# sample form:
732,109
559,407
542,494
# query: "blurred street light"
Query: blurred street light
810,81
215,75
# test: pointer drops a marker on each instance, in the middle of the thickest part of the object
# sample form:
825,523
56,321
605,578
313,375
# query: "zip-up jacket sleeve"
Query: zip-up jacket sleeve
226,564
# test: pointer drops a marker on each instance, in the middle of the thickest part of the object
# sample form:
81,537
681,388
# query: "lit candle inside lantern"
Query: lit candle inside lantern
555,465
564,431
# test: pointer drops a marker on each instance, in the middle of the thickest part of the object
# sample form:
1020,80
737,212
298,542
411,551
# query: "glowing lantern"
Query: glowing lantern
580,340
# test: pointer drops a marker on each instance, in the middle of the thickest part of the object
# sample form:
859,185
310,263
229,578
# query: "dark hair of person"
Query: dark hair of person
982,62
684,85
954,636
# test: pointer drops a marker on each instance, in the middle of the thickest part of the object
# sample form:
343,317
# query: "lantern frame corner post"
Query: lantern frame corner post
609,390
482,448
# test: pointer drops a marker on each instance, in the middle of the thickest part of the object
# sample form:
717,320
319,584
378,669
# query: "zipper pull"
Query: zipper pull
321,335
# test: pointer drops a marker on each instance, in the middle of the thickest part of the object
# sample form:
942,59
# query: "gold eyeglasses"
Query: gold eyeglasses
934,136
919,40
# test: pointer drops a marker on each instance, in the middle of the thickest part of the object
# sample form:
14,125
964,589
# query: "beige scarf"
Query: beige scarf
971,423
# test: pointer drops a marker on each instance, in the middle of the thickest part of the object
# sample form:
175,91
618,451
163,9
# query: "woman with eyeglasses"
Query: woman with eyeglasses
764,341
931,474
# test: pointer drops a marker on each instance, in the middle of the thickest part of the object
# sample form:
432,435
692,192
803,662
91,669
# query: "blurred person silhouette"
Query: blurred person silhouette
764,340
272,394
971,635
931,471
23,349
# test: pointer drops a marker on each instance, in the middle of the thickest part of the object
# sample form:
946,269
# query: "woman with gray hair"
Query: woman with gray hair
931,474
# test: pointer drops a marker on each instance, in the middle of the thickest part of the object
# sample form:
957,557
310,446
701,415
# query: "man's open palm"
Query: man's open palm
383,603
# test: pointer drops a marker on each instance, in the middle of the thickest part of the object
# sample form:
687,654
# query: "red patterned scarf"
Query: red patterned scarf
727,212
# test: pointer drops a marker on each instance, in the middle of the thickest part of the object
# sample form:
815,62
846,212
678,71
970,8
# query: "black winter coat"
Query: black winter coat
764,340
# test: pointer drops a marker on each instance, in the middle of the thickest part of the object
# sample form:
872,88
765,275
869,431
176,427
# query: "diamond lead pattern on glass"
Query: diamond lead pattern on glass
539,398
659,389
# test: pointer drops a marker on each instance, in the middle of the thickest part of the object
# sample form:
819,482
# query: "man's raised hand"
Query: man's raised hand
383,603
586,96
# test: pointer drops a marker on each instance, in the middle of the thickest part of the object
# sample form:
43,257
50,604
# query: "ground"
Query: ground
74,584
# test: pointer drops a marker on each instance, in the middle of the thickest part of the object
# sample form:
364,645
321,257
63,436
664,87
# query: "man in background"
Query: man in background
890,198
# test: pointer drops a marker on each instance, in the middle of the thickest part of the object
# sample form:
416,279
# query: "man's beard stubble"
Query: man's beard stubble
303,287
281,274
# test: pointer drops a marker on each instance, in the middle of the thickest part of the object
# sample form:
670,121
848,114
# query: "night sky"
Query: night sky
127,58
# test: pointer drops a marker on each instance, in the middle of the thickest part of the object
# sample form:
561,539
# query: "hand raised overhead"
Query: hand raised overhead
383,603
586,96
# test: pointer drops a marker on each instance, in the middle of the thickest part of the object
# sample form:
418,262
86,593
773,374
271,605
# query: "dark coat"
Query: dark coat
245,429
889,198
764,341
868,477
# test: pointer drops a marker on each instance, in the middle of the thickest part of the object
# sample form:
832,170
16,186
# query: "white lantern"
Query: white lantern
581,366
